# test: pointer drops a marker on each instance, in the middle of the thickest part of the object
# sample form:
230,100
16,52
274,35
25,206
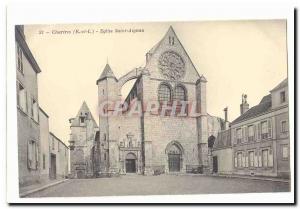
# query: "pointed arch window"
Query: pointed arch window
164,93
179,93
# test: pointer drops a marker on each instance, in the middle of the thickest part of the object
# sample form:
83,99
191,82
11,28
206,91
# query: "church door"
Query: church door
174,162
130,163
174,157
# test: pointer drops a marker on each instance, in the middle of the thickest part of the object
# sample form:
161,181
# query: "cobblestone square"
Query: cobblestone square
160,185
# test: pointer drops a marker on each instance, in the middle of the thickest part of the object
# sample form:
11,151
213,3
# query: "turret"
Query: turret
244,106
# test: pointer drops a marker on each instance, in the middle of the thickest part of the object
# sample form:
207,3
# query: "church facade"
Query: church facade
155,140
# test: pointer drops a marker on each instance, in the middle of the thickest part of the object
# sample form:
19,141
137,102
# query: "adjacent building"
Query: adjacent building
261,135
28,129
34,153
257,142
83,146
44,145
58,158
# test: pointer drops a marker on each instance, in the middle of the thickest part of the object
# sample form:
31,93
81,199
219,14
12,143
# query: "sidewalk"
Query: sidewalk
24,191
264,178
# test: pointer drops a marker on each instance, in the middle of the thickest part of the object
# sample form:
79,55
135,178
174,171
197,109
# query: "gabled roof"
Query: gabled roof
172,32
282,84
83,111
264,106
20,38
107,73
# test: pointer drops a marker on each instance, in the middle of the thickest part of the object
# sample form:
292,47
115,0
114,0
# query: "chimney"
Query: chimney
226,113
244,106
226,118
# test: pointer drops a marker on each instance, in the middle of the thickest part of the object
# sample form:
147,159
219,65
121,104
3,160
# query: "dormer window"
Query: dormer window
81,119
282,97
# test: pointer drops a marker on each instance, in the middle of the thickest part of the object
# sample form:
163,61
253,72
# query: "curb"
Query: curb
256,178
24,194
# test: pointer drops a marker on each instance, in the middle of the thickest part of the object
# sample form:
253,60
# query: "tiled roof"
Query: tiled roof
264,105
281,85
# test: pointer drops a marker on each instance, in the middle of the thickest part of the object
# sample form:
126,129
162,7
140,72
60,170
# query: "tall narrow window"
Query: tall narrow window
164,93
171,40
239,159
22,98
285,151
44,161
283,126
32,155
265,153
250,133
251,159
20,59
179,94
34,110
282,97
264,130
239,135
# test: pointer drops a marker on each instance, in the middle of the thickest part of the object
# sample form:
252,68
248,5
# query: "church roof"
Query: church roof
83,111
107,73
264,106
153,49
168,33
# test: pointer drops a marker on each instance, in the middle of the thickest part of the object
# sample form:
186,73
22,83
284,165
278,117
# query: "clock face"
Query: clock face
171,65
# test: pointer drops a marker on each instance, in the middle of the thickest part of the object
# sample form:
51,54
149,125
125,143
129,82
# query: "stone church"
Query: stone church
154,143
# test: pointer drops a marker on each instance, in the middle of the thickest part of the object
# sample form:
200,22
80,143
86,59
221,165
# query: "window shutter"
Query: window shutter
247,161
243,134
254,130
258,131
235,160
246,133
234,136
18,92
243,160
270,158
26,104
255,160
270,128
259,159
37,155
29,160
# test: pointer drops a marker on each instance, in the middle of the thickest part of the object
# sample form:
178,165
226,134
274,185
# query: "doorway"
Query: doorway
130,163
174,162
53,166
215,164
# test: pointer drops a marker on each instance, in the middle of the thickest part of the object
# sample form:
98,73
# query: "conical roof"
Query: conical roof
107,73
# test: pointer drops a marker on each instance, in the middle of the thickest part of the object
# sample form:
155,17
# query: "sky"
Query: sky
236,57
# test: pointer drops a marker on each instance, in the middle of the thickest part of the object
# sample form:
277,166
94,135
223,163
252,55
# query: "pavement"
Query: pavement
263,178
25,191
160,185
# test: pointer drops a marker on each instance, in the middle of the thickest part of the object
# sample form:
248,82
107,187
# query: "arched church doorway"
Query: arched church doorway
174,151
130,163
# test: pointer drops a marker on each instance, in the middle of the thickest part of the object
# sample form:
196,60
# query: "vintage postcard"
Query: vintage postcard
153,108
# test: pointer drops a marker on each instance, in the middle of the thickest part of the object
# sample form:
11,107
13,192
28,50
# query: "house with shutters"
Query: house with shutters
260,136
